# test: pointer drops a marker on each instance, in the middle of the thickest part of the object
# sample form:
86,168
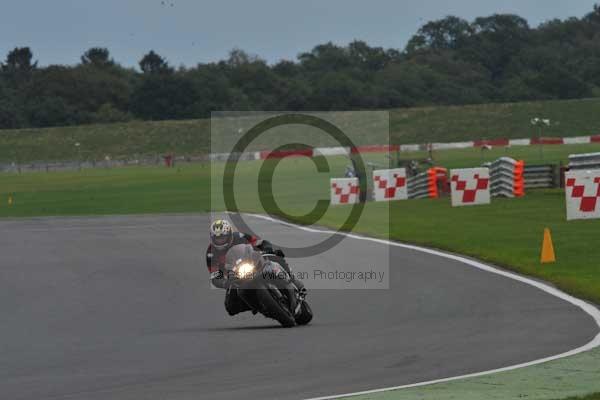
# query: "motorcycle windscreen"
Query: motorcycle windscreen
242,253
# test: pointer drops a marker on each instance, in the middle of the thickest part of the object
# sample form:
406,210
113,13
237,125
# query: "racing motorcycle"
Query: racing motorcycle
265,286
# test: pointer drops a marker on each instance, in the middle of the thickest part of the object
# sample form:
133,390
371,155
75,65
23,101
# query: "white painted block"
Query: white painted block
577,140
519,142
449,146
410,147
330,151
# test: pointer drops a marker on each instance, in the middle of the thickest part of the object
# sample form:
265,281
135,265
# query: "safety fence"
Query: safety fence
43,166
542,176
584,161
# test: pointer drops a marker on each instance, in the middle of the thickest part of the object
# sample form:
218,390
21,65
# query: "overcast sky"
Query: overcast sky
187,31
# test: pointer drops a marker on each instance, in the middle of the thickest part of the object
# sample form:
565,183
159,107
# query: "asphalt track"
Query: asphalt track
120,308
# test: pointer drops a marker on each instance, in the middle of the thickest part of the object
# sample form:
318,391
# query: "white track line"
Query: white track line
587,307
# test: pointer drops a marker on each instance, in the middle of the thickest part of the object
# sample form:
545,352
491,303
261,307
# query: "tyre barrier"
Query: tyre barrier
344,191
429,184
390,184
470,186
418,186
582,192
507,178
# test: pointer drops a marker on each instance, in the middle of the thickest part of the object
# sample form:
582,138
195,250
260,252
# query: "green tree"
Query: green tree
152,63
98,57
496,40
447,33
163,96
19,60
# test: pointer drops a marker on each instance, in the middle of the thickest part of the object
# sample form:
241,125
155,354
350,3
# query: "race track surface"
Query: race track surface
120,308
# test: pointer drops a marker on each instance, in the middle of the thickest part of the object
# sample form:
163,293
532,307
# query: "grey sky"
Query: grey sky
59,31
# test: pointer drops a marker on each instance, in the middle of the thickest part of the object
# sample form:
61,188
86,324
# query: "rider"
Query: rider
222,238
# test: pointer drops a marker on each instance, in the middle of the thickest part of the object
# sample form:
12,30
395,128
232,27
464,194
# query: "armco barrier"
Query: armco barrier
390,184
344,191
582,192
584,161
507,178
429,184
470,186
541,176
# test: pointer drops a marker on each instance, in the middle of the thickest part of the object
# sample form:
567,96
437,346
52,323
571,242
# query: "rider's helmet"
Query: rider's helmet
221,234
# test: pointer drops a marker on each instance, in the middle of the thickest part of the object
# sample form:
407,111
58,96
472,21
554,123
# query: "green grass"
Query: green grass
508,232
415,125
95,192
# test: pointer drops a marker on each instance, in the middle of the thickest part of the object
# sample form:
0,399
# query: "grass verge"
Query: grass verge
413,125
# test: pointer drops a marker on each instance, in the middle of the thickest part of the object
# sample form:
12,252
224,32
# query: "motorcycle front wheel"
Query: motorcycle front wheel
274,306
306,314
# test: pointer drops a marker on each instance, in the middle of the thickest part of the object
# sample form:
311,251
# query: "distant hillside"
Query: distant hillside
191,137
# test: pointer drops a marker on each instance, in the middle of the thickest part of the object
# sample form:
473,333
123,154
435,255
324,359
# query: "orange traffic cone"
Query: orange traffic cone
548,255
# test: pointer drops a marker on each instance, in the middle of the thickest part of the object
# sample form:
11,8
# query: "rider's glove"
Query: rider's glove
218,279
279,253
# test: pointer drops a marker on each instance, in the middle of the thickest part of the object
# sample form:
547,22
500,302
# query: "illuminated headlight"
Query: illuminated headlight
244,270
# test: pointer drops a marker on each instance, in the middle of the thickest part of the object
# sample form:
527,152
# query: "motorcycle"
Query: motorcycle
265,286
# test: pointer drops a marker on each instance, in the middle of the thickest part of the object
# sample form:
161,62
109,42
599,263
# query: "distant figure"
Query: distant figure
349,172
360,174
168,160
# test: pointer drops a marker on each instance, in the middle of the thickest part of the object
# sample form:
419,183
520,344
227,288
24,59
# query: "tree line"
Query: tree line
450,61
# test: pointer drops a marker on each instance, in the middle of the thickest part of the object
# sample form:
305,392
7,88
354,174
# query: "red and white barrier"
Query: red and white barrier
390,184
331,151
582,190
268,155
344,191
470,186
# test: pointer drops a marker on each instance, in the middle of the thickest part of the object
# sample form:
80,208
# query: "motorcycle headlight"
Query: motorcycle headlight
244,270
